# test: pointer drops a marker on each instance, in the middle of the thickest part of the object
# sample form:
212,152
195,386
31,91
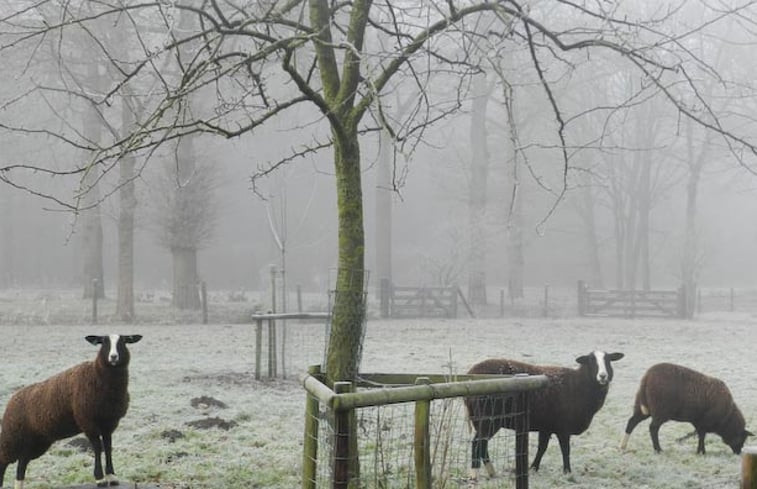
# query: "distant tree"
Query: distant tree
185,216
258,60
477,190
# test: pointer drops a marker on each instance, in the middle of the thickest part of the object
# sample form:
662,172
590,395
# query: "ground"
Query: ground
180,375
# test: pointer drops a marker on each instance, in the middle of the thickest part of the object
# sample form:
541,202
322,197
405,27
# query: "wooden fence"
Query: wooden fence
341,403
277,351
417,302
633,303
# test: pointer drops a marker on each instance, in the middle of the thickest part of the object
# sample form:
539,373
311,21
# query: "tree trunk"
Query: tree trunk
92,230
590,232
185,292
477,194
384,188
7,232
128,204
514,249
345,340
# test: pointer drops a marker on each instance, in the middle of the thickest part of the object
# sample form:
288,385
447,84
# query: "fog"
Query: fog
429,224
579,160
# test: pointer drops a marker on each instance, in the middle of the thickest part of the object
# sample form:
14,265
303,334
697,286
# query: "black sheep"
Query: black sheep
565,406
90,397
672,392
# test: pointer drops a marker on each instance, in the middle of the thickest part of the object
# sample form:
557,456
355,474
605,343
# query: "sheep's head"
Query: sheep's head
736,442
113,349
599,364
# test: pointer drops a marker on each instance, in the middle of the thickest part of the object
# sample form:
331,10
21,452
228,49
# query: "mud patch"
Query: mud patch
205,402
172,435
208,423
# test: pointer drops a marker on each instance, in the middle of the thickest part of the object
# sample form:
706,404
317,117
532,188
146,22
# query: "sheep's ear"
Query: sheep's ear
748,433
583,359
132,338
95,340
614,357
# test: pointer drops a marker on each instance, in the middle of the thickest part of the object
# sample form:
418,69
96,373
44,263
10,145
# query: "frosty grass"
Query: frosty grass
174,364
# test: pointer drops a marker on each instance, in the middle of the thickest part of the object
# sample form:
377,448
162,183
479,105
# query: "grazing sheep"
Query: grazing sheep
565,406
672,392
91,397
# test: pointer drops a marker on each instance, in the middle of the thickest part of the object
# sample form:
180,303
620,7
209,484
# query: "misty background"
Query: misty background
483,196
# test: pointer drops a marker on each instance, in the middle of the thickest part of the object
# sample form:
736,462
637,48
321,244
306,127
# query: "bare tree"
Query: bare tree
258,61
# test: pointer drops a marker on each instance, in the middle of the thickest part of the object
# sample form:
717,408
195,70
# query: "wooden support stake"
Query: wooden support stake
342,440
204,296
581,297
749,468
521,440
271,348
94,301
258,346
310,443
422,440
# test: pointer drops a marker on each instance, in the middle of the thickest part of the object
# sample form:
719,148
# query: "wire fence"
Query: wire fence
420,444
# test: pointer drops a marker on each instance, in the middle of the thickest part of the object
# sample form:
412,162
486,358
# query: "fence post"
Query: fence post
581,294
94,301
299,298
258,346
422,440
521,439
386,291
749,468
699,301
204,296
341,469
310,443
453,292
501,303
731,299
546,300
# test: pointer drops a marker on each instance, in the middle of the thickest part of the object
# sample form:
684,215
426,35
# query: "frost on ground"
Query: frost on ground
256,440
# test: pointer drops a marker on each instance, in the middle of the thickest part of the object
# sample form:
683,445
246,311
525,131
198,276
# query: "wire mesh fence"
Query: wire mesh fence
392,451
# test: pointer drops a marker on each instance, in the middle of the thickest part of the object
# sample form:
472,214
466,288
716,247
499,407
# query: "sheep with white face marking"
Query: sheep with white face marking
672,392
90,397
565,406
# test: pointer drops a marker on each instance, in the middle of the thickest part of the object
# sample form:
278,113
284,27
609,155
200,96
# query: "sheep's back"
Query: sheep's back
564,404
670,391
42,409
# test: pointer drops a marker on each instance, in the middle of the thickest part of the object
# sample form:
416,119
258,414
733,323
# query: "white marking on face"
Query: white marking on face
602,376
113,356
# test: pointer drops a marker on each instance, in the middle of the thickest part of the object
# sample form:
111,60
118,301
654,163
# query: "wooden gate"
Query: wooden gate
632,303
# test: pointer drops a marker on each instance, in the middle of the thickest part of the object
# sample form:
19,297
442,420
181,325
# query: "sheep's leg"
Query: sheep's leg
480,453
97,447
564,439
635,419
2,473
543,442
20,473
654,433
110,474
700,445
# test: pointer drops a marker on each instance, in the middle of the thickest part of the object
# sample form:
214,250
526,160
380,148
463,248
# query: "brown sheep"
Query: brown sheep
90,397
565,406
672,392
